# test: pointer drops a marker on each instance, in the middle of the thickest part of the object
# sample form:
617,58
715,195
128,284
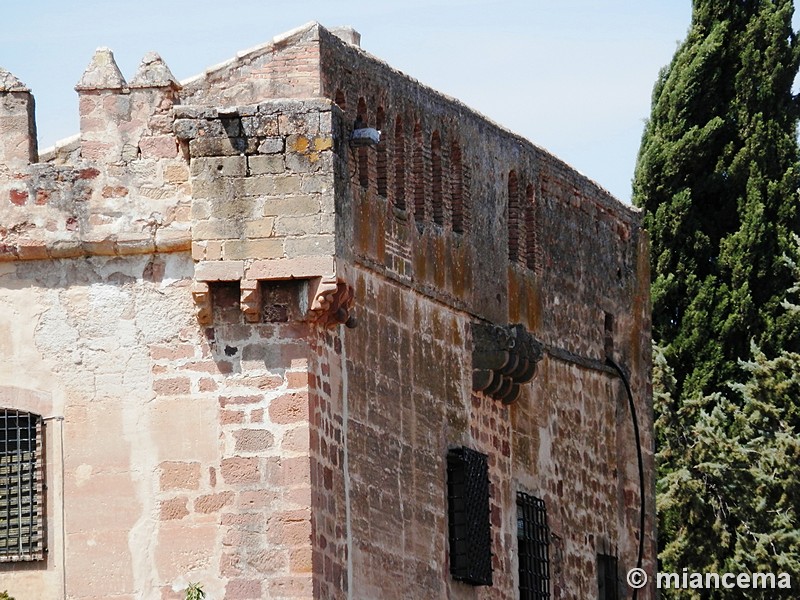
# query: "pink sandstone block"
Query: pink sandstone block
291,268
229,270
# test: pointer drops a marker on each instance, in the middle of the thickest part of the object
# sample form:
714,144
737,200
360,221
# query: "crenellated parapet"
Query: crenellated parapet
119,188
121,122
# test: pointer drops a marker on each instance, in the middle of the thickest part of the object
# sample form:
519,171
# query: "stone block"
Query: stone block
296,440
158,146
185,129
260,228
239,208
316,184
179,475
227,270
201,208
291,205
310,245
135,243
299,225
287,184
173,240
258,248
66,248
253,440
271,145
174,508
255,186
260,125
240,470
173,386
177,173
198,250
244,589
303,163
266,165
289,408
217,229
211,503
217,146
292,268
224,166
210,188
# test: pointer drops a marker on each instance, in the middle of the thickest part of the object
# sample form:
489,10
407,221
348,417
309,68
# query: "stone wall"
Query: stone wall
254,343
452,221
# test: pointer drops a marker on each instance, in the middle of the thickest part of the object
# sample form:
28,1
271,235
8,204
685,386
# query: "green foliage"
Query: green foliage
729,489
5,596
718,177
195,592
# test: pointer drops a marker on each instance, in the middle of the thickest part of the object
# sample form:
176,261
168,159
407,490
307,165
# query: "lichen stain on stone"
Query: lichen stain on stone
301,144
323,143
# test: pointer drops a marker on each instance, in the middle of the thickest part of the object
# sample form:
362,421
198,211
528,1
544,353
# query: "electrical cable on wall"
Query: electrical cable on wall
624,378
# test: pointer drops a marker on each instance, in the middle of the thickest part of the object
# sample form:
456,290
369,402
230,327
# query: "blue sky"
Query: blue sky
573,76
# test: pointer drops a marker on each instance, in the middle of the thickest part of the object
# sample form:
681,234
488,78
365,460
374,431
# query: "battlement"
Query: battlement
250,162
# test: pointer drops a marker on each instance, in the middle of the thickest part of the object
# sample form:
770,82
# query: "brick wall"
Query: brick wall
429,219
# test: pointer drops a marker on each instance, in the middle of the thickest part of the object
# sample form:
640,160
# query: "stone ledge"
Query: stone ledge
113,245
292,268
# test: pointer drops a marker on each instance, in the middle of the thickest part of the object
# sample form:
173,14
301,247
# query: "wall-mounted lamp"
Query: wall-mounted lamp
365,136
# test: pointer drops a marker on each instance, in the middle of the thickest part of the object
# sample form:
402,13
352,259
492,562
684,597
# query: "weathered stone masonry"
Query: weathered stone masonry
253,343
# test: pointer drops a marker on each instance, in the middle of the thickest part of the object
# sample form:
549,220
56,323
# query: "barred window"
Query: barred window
607,580
21,486
468,512
533,541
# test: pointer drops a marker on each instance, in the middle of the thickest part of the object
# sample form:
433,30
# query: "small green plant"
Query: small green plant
5,596
193,592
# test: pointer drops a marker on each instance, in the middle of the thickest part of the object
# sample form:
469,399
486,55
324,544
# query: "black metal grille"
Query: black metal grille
533,542
21,530
607,580
468,506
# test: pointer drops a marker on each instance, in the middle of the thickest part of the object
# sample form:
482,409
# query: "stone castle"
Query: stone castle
302,327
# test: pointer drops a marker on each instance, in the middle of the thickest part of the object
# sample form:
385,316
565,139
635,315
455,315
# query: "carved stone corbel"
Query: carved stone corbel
503,358
331,302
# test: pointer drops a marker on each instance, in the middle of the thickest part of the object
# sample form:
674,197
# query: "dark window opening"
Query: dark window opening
399,165
457,192
418,168
21,487
436,178
340,101
382,180
607,580
513,217
531,241
363,155
468,512
533,542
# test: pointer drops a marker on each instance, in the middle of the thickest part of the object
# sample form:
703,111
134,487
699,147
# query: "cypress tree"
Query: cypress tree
718,179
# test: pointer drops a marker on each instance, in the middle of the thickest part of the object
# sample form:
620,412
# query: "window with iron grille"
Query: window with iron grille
533,543
607,580
468,512
21,485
